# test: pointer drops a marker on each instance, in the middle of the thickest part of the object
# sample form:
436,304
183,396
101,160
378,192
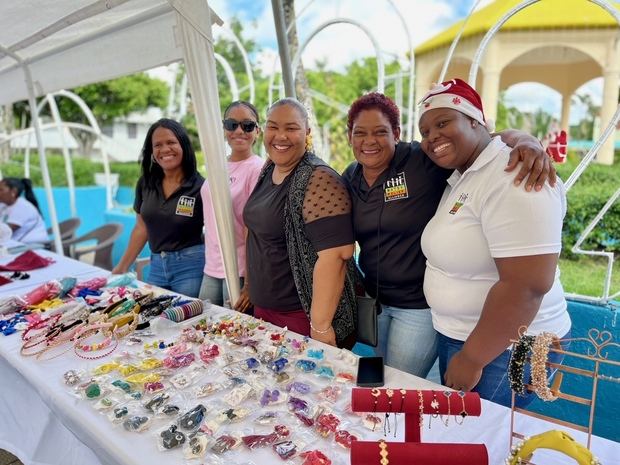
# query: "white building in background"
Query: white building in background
123,139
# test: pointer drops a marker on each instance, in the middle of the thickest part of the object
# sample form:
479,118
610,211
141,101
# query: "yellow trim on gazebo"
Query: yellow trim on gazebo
546,14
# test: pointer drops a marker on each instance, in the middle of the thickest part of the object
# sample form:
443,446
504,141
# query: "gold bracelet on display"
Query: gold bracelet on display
383,452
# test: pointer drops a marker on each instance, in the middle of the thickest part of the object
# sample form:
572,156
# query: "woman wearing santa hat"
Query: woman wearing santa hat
492,249
395,190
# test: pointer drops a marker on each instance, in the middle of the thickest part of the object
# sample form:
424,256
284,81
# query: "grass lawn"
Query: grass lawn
586,276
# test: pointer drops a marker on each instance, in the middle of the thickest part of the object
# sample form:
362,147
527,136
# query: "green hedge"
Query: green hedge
83,170
585,200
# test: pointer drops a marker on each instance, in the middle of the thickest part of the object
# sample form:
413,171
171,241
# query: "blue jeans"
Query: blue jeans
215,290
407,339
179,271
494,385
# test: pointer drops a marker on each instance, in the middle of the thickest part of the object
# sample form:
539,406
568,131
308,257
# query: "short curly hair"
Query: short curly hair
371,101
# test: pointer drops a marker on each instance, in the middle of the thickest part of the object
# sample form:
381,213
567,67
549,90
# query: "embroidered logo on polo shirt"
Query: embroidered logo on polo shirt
185,206
458,204
395,188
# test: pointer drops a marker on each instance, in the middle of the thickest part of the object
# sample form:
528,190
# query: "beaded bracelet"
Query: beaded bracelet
518,359
538,361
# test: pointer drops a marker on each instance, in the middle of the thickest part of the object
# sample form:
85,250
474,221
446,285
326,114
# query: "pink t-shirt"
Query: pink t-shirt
243,176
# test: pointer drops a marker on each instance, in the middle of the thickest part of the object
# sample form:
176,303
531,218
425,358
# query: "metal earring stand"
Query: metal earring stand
598,341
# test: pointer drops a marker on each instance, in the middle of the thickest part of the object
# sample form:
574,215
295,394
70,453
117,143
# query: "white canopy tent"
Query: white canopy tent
47,46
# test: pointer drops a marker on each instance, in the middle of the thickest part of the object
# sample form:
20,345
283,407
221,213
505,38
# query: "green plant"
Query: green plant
83,170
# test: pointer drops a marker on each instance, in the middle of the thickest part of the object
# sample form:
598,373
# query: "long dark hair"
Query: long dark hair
23,186
151,171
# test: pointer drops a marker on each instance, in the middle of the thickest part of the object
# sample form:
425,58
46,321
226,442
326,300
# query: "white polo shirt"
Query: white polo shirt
483,216
23,214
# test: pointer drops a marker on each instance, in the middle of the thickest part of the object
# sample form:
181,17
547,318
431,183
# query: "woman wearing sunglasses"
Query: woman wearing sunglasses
169,211
241,131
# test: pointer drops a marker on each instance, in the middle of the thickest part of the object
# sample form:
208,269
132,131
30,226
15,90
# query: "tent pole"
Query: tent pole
285,56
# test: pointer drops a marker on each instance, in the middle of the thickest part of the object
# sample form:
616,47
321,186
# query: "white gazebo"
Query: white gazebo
560,43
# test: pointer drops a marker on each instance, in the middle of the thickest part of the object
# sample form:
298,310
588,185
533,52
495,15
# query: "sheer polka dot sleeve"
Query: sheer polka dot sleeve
326,196
327,210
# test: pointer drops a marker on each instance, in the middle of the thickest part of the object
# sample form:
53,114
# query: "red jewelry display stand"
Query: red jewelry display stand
407,453
414,404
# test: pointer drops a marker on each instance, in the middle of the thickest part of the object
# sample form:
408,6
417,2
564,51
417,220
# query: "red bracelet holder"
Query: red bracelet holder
367,452
407,453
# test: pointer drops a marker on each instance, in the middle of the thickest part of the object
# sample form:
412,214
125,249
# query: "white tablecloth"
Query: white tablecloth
42,423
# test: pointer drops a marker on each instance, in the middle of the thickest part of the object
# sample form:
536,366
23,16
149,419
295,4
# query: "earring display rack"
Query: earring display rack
415,404
597,346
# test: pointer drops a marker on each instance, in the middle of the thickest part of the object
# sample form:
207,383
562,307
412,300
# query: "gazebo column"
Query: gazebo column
608,108
490,92
566,102
492,67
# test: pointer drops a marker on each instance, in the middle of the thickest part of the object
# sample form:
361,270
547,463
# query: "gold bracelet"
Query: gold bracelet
554,440
383,452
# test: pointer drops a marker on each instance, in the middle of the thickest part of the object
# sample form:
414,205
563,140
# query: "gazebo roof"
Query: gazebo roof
546,14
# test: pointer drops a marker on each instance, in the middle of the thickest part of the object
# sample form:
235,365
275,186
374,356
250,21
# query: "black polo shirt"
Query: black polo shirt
174,223
404,198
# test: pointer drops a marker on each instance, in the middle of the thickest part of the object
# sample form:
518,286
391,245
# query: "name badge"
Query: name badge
395,188
185,206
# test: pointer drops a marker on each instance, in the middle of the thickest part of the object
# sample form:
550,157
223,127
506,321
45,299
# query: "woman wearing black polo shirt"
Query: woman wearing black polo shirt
169,211
395,190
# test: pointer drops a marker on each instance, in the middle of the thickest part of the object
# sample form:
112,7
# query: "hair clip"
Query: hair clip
314,457
344,438
285,449
193,418
172,438
136,423
224,443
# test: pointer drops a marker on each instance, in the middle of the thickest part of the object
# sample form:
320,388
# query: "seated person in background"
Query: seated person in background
492,249
21,214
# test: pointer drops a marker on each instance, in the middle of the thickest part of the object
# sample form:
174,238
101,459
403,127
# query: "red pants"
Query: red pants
295,320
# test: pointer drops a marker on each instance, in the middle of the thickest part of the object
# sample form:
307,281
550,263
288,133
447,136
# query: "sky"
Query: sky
341,44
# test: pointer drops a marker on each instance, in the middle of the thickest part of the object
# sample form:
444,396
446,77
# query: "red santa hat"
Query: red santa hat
458,95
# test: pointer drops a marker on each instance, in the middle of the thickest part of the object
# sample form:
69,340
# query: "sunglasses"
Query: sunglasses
232,125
